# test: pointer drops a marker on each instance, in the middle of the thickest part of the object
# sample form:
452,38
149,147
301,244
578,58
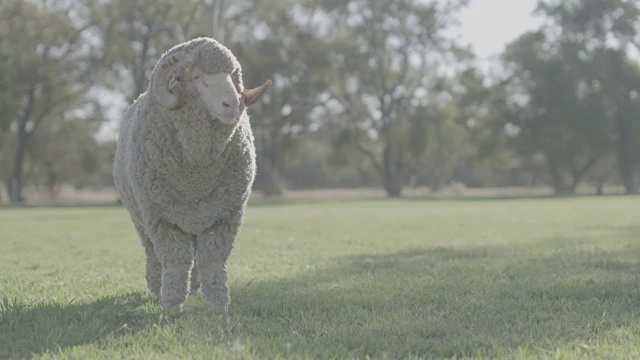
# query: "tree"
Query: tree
289,51
557,111
50,73
437,143
387,56
8,101
599,36
135,33
64,150
8,105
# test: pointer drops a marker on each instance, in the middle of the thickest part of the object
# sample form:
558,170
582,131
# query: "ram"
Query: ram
184,168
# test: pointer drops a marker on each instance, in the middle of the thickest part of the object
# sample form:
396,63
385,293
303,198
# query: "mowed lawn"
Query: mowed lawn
513,278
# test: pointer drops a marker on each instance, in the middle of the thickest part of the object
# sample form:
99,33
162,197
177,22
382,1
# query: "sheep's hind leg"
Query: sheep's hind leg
212,251
175,251
154,271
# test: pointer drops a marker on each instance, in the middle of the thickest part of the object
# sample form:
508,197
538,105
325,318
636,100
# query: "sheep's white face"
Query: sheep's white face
176,78
218,93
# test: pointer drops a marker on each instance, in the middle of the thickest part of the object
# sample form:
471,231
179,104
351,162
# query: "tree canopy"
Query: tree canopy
366,92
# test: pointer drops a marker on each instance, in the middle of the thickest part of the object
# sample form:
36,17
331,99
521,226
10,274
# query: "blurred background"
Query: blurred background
392,98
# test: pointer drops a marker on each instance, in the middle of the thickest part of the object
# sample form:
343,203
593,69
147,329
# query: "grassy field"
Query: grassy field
516,279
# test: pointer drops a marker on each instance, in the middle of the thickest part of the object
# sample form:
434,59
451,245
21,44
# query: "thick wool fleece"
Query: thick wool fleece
185,179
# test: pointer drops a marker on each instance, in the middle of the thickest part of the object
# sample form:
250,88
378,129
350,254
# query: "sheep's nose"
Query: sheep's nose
230,109
231,103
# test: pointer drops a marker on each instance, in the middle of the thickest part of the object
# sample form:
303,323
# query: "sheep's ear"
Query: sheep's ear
252,96
168,92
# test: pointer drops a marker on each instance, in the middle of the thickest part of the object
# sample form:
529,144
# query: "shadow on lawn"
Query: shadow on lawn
443,302
34,329
430,302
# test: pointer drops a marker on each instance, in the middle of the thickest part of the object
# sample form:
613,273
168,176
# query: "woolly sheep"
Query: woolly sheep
184,167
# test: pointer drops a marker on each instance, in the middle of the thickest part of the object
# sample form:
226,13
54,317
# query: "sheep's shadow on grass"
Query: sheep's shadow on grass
30,329
432,302
442,302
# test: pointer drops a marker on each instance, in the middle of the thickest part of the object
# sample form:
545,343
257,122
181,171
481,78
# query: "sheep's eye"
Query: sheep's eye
196,77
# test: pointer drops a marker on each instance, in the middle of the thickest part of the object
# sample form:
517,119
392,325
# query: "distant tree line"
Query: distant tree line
366,92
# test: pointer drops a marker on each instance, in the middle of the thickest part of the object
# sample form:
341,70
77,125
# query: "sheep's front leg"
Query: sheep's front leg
212,251
175,250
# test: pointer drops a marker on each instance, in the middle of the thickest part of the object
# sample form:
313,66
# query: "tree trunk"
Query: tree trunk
577,178
560,187
270,180
627,171
392,182
15,184
392,177
272,185
15,181
435,183
574,186
214,19
51,184
139,74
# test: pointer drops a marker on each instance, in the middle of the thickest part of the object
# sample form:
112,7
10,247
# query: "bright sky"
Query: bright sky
488,25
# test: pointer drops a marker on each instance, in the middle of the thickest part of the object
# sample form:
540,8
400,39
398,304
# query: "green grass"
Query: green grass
516,279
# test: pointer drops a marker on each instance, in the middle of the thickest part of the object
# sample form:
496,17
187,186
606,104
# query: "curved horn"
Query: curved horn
251,96
168,92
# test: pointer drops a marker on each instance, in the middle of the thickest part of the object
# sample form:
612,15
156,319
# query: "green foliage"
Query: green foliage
438,143
290,52
564,116
66,152
478,279
386,56
323,162
575,86
370,86
449,145
49,74
136,33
